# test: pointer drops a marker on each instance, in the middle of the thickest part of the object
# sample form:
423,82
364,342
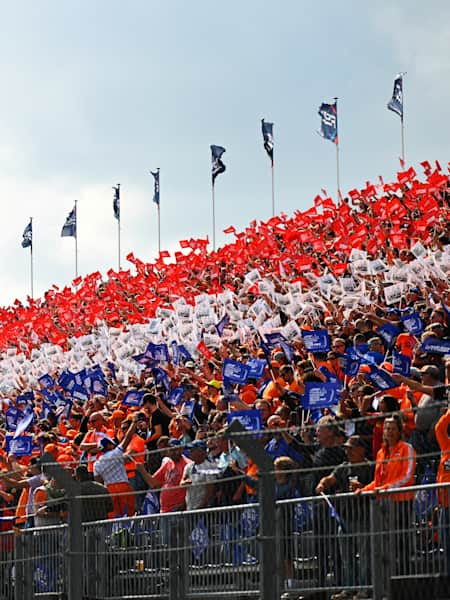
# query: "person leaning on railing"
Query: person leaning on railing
443,476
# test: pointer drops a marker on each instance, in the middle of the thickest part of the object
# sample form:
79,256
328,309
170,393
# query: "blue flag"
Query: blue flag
412,323
19,446
156,188
435,345
349,364
79,392
116,201
133,398
27,236
319,395
288,351
329,122
256,368
24,423
401,363
396,102
251,420
199,539
70,226
176,395
381,379
267,131
158,352
26,398
46,381
184,352
161,377
389,333
234,371
218,166
274,339
316,340
220,326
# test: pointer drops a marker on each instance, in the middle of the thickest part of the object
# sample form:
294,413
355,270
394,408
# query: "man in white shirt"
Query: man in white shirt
199,476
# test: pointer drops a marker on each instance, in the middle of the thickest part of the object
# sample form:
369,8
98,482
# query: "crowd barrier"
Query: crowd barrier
384,546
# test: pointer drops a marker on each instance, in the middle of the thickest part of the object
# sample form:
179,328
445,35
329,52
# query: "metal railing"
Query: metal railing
346,542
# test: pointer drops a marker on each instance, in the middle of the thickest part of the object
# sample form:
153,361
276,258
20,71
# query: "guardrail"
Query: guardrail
374,544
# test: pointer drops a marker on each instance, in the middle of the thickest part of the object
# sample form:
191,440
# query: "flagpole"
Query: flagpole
76,240
118,228
338,182
273,191
159,229
213,216
402,123
31,260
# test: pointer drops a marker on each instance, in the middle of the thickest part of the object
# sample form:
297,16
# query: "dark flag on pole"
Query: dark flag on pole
267,131
70,226
396,102
116,201
27,240
329,123
217,165
156,190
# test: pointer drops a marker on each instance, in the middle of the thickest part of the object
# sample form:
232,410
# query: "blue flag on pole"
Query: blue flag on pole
176,395
401,363
256,368
316,340
46,381
267,131
133,398
116,201
435,345
288,351
220,326
349,364
274,339
234,371
380,378
156,188
329,122
27,236
320,395
396,102
251,420
70,226
389,333
218,166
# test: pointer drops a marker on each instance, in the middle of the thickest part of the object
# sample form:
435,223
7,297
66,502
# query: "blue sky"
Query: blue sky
96,93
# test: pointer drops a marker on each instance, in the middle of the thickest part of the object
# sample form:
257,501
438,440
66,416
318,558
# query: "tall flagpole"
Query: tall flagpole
402,124
273,191
213,216
31,259
159,228
76,240
338,182
118,227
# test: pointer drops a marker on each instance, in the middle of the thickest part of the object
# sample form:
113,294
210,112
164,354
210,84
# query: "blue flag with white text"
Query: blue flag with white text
396,102
116,201
218,166
267,131
70,226
329,122
156,188
27,236
316,340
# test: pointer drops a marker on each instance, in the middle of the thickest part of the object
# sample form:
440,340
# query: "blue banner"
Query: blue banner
46,381
19,446
349,364
319,395
412,323
176,395
329,122
13,416
251,420
267,131
218,166
381,379
435,345
288,351
235,371
389,333
256,368
133,398
316,340
156,189
401,363
274,339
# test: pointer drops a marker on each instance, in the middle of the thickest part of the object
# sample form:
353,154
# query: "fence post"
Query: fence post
23,574
178,569
377,549
75,545
269,577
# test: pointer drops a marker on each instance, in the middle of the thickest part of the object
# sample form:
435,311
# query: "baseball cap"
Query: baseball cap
105,441
214,383
174,442
354,441
197,444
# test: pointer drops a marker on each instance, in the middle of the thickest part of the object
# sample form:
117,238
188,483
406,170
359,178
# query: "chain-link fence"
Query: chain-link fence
383,546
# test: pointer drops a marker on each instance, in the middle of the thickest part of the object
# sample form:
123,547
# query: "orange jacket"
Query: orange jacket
443,474
395,467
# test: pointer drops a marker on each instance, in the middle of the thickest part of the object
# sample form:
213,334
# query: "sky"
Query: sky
100,92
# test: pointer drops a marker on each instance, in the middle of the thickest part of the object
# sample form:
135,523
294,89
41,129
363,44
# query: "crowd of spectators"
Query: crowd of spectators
366,272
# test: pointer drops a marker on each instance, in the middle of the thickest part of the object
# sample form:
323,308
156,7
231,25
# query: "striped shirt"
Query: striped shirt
111,467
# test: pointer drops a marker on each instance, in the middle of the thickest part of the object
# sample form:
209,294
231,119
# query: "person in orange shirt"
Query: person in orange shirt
443,476
405,344
248,392
91,441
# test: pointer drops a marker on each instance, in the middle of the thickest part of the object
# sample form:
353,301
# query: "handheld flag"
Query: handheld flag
216,159
116,201
156,190
319,395
27,241
329,122
70,226
396,102
267,131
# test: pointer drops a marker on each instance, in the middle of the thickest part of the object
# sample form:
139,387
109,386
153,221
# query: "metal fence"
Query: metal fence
380,545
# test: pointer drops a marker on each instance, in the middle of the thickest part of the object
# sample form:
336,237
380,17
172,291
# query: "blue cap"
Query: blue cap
105,441
197,444
175,442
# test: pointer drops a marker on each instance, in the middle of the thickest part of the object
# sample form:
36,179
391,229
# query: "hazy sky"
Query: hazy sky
97,92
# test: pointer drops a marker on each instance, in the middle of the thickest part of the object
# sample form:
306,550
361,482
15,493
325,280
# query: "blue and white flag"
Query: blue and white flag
389,333
256,368
161,377
316,340
184,353
116,201
435,346
156,188
79,392
234,371
70,226
412,323
329,122
274,339
251,420
176,395
27,236
13,416
23,424
199,539
19,446
381,379
401,363
158,352
218,166
396,102
319,395
267,132
46,381
288,351
133,398
220,326
26,398
349,364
